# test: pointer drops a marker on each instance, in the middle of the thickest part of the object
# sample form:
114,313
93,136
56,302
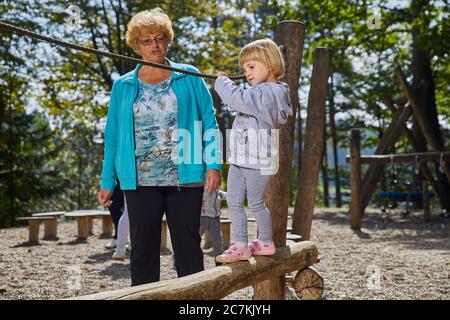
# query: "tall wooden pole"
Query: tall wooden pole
290,35
356,208
314,144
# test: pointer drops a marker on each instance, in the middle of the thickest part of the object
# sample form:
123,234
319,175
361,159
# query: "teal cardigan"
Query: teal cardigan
199,143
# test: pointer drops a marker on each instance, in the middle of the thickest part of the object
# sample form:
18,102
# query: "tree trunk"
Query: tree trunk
325,184
424,90
291,35
337,179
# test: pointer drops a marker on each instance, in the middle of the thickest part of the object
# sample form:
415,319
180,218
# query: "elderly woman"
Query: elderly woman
158,143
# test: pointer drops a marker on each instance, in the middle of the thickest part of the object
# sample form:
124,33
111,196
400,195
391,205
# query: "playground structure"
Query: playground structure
357,198
266,274
363,189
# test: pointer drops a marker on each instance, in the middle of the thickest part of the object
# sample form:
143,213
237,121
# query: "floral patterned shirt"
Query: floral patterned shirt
155,123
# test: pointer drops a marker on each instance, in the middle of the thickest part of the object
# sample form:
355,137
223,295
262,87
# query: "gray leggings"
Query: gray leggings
241,181
212,226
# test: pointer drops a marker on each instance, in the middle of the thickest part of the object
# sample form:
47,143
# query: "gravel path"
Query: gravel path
403,258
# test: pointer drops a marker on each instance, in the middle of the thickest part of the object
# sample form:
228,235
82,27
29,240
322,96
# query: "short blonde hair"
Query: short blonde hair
148,21
265,51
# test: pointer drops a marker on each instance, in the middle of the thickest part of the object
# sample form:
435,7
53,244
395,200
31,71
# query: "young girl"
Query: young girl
260,109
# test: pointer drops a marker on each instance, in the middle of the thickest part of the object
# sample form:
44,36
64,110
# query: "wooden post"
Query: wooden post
290,35
426,201
33,231
107,226
83,227
314,145
225,227
356,208
50,227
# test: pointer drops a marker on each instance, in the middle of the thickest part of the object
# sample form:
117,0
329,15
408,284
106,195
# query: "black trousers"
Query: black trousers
146,207
116,208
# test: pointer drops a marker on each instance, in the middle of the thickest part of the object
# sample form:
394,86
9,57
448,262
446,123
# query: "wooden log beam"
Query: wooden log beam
290,35
314,144
217,283
308,284
404,157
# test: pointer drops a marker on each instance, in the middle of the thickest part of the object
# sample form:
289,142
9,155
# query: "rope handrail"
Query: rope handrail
34,35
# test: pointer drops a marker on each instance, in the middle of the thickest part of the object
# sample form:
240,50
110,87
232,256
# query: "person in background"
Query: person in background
122,236
210,218
115,209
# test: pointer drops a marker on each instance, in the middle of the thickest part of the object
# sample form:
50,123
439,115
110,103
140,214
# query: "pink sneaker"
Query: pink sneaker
258,248
234,253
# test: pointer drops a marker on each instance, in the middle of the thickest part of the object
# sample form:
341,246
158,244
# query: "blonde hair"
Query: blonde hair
148,21
265,51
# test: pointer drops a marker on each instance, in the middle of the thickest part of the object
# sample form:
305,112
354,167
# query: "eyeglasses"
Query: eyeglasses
148,41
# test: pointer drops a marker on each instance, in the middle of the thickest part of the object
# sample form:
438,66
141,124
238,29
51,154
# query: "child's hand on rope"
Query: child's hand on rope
221,74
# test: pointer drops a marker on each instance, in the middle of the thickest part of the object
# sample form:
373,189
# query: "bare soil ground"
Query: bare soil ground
402,258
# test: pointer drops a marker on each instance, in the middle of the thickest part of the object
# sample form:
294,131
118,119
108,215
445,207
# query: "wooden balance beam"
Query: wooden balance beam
218,282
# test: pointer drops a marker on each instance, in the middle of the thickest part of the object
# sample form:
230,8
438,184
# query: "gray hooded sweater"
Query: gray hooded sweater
253,142
211,203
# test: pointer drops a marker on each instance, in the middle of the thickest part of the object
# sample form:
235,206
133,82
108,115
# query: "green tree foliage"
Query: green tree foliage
59,146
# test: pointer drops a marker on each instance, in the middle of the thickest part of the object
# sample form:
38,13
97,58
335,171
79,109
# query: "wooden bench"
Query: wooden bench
33,227
84,220
50,225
